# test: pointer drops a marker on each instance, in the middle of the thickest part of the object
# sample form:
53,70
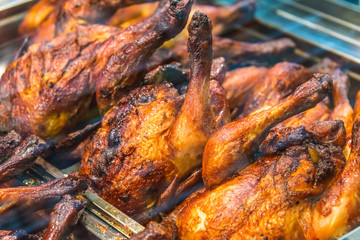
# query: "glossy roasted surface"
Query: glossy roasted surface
154,136
269,198
49,88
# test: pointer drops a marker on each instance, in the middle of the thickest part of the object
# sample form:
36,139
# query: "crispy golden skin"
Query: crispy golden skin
269,198
321,112
50,18
297,189
223,18
277,196
238,85
232,147
337,211
281,81
252,89
49,88
153,135
149,144
128,158
341,110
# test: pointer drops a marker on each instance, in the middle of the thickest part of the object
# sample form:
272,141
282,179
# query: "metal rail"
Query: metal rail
311,22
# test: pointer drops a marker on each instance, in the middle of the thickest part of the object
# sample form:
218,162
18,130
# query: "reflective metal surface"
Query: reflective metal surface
324,23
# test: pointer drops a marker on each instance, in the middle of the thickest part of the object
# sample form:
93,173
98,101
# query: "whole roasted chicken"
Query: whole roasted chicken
147,145
51,86
158,131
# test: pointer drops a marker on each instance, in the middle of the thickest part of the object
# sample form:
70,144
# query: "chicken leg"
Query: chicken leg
222,150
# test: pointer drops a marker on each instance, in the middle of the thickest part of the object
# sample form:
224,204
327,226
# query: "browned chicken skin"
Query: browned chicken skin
150,145
321,112
297,189
276,196
150,141
174,74
222,157
46,90
269,199
246,91
342,108
239,82
252,89
154,133
223,18
281,80
50,18
65,215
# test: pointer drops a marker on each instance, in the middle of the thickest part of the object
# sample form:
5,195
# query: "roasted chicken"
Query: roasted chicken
263,88
223,155
285,168
269,198
50,18
246,92
223,18
274,198
48,89
300,187
147,144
